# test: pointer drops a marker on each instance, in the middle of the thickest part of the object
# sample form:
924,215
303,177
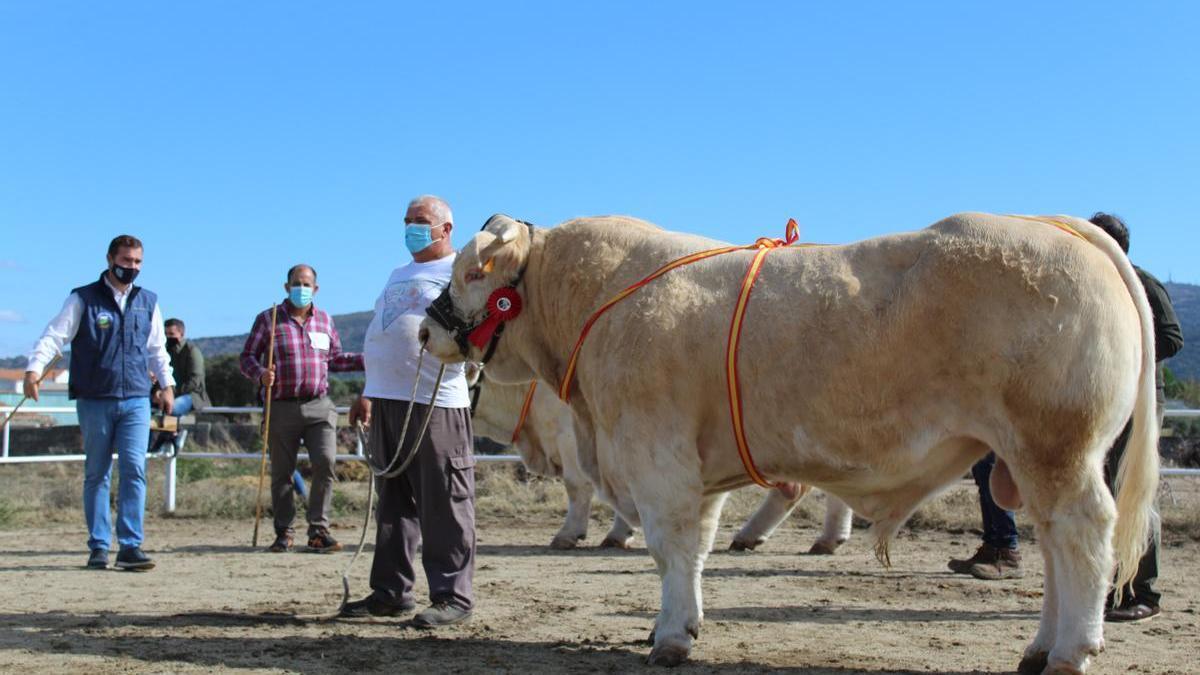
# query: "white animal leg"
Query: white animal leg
838,517
678,523
1038,651
774,509
1079,540
579,506
620,535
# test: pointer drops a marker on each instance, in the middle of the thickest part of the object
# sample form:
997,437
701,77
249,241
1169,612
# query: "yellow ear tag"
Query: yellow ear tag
487,266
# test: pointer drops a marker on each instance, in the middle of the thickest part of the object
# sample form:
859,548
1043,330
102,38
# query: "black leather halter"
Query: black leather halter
443,313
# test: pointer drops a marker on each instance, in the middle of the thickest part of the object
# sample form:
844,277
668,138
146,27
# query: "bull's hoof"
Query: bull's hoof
561,543
612,542
1061,668
1033,664
742,545
824,548
668,655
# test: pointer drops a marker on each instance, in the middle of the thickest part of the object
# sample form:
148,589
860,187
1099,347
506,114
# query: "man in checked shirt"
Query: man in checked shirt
306,347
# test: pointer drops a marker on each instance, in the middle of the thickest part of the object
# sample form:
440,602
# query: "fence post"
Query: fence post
169,488
6,423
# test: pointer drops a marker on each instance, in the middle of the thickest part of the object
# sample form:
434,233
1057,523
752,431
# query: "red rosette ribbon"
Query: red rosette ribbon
504,304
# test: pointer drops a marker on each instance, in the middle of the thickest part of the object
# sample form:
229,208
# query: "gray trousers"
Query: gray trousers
1141,589
431,504
314,421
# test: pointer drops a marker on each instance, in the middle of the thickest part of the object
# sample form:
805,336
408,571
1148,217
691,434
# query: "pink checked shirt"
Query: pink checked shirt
304,353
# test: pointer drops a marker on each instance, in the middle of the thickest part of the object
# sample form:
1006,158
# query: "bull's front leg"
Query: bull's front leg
579,506
679,529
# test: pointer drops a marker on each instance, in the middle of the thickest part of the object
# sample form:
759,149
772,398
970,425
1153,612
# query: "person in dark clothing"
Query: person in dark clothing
998,557
187,365
1140,599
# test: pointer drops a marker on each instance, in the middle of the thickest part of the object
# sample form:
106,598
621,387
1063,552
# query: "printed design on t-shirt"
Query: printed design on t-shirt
410,296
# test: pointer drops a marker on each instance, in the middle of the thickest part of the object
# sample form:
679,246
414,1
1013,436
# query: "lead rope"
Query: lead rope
387,471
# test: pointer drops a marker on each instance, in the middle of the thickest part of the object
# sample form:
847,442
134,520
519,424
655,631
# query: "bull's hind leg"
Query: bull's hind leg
838,520
1075,517
679,525
1038,651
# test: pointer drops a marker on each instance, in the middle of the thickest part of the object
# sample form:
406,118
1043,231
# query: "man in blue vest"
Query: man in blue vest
117,341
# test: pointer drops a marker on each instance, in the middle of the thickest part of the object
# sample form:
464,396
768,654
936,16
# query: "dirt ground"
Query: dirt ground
213,603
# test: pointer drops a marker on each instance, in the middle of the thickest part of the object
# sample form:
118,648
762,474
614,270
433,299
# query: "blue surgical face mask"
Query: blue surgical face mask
418,237
300,296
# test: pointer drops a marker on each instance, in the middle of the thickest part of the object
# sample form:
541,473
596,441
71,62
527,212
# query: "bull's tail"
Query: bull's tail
1137,475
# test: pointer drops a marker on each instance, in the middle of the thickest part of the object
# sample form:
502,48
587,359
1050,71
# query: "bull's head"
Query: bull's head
465,322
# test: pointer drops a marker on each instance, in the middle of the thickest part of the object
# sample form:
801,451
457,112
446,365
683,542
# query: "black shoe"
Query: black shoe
98,560
440,614
1132,613
133,559
282,543
372,605
320,541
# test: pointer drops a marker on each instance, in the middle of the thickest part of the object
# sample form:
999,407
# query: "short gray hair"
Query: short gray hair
439,207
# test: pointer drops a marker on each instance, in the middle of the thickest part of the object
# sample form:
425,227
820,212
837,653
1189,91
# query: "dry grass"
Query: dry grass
35,494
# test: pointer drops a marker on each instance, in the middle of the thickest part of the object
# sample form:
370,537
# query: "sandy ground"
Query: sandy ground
213,603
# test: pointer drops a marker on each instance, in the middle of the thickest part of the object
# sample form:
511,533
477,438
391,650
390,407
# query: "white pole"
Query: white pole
6,423
169,491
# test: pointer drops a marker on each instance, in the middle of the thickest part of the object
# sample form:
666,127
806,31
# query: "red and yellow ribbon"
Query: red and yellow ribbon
763,246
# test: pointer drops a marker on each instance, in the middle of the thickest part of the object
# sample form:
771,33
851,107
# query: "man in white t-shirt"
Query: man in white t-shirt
433,501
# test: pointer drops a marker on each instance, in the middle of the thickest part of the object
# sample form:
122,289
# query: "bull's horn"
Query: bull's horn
505,230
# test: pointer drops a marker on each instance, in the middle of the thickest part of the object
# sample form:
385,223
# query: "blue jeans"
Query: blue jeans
122,425
999,526
183,405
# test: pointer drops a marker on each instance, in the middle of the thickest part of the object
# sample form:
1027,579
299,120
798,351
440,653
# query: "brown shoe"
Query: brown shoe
1007,565
1132,613
282,543
985,554
320,541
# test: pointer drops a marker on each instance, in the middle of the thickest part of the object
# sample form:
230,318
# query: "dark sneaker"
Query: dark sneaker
133,559
98,560
320,541
282,543
986,553
372,605
440,614
1007,565
1132,613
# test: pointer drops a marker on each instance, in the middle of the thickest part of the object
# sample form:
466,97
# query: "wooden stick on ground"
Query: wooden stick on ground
262,469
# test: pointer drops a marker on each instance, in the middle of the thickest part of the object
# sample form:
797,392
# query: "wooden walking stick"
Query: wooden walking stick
26,398
262,468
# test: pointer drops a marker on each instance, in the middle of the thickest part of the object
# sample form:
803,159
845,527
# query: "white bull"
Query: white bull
546,445
878,371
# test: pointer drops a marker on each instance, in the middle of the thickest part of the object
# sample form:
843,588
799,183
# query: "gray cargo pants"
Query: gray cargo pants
316,422
432,502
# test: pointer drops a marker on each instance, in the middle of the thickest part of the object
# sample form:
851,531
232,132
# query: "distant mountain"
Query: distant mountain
1186,300
353,329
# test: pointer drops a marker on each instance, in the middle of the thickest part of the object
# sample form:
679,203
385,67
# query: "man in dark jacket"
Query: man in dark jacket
1140,599
187,364
117,341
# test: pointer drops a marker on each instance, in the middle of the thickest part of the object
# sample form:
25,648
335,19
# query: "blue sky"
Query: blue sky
239,138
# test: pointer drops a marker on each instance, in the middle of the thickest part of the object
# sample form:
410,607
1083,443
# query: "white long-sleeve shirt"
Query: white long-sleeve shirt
62,329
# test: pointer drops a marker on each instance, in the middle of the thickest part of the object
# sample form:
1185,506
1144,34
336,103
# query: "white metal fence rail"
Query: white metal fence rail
170,478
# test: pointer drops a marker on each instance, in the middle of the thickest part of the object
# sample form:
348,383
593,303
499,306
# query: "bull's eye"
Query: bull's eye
504,304
474,275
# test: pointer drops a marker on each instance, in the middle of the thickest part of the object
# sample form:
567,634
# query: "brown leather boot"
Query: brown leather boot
1007,565
986,553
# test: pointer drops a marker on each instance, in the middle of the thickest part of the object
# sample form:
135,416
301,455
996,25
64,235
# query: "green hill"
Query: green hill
352,328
